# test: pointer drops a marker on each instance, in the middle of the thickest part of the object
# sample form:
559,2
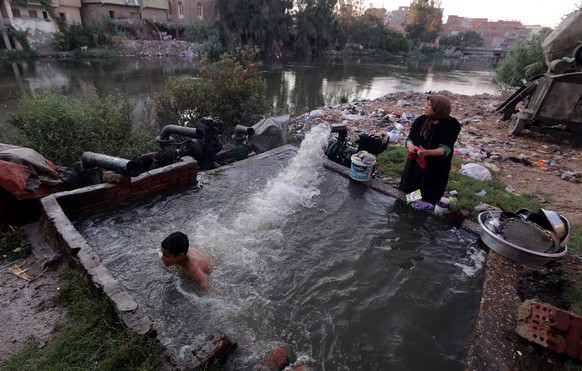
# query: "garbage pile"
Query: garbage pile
394,113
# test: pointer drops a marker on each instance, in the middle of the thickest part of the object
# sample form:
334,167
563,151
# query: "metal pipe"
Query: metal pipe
180,130
243,130
119,165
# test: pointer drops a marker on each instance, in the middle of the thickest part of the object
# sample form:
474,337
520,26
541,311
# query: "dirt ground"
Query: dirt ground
28,311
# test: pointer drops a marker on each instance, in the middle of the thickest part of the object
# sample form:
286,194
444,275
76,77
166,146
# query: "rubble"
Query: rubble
156,48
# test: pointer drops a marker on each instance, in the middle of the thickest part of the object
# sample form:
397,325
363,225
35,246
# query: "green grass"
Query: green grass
575,296
92,339
18,54
13,244
391,164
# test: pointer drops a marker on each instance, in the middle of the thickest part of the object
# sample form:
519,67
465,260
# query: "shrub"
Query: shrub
213,48
231,89
61,128
75,36
18,54
20,37
196,33
525,61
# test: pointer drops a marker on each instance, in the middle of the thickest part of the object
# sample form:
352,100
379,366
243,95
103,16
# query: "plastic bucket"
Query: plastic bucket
360,171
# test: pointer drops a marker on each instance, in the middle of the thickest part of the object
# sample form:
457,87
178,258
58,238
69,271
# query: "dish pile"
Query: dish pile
526,236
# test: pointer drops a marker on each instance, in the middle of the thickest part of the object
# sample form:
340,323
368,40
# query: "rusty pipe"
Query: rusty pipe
119,165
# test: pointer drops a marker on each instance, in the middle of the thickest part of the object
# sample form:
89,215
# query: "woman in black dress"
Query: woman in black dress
430,147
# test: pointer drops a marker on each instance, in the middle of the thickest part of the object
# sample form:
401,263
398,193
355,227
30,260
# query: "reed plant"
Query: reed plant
61,127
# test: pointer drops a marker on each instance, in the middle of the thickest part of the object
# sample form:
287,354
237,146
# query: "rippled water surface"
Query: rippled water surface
293,87
345,277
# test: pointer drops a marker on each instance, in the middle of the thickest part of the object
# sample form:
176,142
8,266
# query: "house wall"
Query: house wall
154,14
190,15
39,25
96,12
71,3
36,20
499,34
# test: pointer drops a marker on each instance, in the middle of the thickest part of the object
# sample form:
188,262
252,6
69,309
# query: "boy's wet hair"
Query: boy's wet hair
176,243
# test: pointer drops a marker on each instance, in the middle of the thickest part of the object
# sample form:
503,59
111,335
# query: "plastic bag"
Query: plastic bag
413,196
476,171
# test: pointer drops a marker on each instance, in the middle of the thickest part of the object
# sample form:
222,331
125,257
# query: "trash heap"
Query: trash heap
394,113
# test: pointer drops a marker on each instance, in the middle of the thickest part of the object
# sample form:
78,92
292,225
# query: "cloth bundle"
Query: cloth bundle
419,160
422,205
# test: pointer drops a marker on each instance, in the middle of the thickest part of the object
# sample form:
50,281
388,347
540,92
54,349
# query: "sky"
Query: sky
528,12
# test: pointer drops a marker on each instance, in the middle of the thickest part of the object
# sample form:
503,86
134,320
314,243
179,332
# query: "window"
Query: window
16,13
63,16
111,14
180,9
45,15
32,14
170,10
199,10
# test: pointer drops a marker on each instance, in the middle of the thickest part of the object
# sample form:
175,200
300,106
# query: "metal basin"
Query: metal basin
558,226
520,254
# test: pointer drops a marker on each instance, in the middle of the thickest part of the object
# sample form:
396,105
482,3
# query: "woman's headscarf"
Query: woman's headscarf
441,108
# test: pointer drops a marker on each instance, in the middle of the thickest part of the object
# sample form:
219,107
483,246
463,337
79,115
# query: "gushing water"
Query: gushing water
292,187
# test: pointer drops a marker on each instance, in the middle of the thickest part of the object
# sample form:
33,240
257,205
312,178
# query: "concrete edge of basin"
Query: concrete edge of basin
497,310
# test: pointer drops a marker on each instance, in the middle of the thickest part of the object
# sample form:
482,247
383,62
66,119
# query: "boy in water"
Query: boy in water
176,250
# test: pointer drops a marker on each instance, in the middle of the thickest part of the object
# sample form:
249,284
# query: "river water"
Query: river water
294,87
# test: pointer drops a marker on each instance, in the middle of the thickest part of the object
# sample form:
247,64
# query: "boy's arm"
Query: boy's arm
200,277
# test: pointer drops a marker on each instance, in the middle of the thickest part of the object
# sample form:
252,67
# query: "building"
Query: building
376,12
496,35
185,12
148,19
97,10
503,34
456,24
396,19
36,20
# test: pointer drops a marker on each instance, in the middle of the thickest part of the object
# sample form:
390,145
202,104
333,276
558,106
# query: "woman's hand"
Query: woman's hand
430,152
411,147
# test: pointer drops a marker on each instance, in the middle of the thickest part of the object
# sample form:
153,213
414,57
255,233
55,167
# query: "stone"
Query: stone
214,350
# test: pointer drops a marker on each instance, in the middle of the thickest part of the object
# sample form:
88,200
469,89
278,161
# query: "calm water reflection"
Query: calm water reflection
294,87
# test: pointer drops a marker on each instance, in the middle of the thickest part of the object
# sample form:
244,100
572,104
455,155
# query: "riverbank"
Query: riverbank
505,281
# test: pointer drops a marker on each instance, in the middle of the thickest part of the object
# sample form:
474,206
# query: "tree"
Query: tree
349,9
231,89
263,23
465,38
424,20
370,32
315,26
525,61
